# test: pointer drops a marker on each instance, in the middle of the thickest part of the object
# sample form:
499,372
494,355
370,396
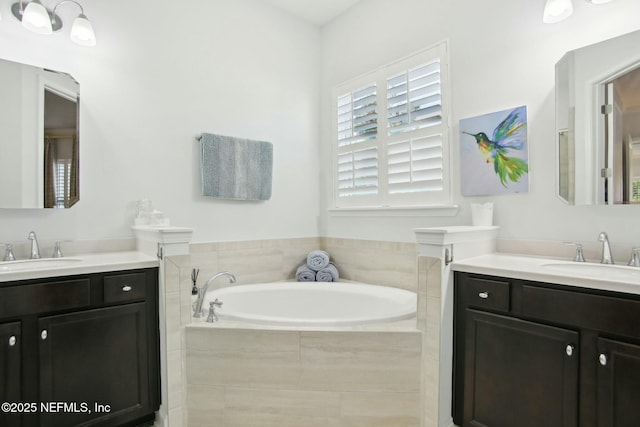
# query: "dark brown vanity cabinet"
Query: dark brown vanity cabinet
531,354
81,350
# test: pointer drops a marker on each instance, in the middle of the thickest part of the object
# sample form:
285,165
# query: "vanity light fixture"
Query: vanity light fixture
556,11
38,19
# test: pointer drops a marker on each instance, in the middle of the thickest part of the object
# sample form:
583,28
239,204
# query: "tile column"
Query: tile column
165,242
438,247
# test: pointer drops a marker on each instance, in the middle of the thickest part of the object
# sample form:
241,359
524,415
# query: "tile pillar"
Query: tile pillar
164,242
438,247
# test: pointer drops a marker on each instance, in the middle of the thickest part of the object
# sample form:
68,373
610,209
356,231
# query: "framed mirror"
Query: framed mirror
598,123
39,137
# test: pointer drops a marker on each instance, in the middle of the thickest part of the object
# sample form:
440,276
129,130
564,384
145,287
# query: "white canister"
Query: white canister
482,214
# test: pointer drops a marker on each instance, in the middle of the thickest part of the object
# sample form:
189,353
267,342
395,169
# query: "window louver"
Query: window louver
414,99
358,173
357,116
415,165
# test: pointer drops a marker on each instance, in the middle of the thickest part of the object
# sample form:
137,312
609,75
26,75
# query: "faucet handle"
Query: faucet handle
57,250
634,261
8,254
579,257
213,317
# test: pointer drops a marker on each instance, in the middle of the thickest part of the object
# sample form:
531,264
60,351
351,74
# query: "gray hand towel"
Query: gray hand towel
328,274
235,168
317,260
305,274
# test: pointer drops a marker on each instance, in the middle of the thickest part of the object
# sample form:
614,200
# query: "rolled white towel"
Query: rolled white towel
328,274
305,274
317,260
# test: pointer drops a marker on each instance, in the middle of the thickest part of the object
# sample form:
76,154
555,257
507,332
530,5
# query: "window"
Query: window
62,179
391,135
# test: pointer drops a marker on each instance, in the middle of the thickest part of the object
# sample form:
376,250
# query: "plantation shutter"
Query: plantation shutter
414,99
357,122
415,165
391,135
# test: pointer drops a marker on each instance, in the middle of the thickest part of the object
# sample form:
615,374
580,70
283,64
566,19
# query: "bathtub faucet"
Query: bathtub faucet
202,292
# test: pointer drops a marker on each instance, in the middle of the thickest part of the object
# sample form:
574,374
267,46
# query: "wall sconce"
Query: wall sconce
38,19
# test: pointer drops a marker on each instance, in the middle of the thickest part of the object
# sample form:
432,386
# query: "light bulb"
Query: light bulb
556,11
36,18
82,32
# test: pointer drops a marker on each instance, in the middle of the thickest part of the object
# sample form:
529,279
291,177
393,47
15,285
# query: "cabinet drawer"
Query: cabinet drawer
487,293
613,314
40,298
125,287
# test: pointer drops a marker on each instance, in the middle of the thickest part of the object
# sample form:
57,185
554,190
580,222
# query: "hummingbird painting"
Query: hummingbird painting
509,135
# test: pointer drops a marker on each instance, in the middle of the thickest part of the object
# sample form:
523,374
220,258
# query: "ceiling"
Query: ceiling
317,12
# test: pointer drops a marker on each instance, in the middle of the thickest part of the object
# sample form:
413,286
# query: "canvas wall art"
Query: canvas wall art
494,153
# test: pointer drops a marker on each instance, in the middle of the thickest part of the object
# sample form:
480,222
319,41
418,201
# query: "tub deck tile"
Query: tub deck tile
360,361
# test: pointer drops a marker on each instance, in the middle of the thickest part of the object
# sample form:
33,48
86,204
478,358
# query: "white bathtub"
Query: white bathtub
313,303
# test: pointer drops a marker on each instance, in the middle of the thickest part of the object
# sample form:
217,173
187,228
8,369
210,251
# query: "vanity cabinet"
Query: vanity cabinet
86,350
10,377
536,354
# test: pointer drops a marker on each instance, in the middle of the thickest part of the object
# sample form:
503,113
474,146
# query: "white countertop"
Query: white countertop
90,263
621,278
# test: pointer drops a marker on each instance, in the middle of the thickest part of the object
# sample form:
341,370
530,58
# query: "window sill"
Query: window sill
406,211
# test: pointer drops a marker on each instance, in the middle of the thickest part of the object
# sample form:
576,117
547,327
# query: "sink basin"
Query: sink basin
595,270
33,264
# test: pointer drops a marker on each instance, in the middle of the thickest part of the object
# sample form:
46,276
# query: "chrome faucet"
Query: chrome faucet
202,292
607,258
35,250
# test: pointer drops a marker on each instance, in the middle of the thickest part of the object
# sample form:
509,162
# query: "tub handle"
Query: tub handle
213,317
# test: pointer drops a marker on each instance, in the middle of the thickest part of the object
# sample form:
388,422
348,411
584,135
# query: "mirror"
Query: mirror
39,137
598,123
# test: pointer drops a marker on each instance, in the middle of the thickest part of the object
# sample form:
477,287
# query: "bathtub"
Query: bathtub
313,303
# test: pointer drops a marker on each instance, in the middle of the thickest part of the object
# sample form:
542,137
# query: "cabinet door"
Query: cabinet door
96,363
10,391
519,373
618,384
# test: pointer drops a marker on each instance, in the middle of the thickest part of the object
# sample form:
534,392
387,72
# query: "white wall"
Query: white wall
244,68
502,56
162,73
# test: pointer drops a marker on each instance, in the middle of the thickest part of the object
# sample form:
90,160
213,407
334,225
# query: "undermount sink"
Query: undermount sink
597,270
32,264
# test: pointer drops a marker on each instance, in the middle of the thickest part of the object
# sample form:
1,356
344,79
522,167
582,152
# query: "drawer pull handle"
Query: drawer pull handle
44,334
569,350
12,340
602,359
126,288
484,295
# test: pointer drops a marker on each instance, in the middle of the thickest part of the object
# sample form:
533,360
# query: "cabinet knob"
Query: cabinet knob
44,334
602,359
126,288
12,340
484,294
569,350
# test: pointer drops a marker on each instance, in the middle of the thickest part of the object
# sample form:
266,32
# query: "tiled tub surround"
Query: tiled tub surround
253,377
358,376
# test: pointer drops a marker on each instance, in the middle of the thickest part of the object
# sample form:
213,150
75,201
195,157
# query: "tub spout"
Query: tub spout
202,292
